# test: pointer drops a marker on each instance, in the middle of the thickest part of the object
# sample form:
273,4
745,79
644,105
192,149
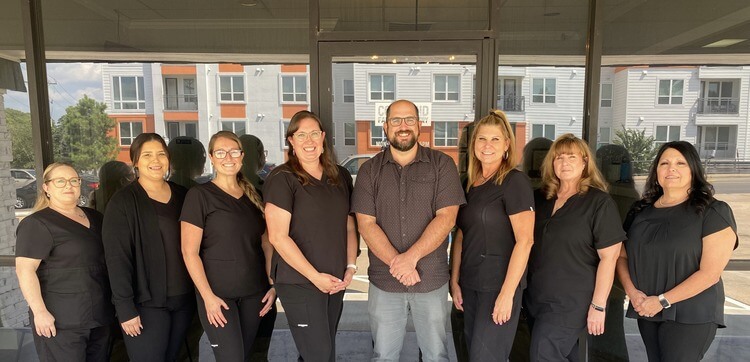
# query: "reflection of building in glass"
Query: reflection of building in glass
706,106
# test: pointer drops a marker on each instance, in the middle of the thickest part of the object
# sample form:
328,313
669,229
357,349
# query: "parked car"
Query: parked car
23,177
354,162
263,172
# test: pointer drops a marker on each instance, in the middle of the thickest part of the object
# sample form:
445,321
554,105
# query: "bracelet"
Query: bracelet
664,302
352,266
597,308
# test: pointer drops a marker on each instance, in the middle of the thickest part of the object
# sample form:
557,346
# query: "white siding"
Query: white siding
568,100
129,69
263,97
342,111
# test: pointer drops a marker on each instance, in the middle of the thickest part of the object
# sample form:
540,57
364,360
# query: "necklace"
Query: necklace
662,204
76,212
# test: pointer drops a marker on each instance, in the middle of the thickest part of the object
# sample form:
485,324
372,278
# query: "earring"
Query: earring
46,194
293,152
505,157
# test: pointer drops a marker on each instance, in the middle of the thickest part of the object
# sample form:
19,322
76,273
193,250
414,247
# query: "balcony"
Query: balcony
716,105
717,150
511,103
181,102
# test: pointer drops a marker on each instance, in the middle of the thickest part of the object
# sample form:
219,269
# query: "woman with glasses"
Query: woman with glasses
62,273
151,289
227,253
314,237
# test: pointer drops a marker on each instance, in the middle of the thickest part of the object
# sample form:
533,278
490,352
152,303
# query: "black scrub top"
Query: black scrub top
488,238
564,258
72,274
664,248
318,224
231,245
168,214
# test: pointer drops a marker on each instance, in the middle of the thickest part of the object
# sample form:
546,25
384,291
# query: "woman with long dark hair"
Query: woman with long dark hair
314,236
62,274
151,288
227,253
680,239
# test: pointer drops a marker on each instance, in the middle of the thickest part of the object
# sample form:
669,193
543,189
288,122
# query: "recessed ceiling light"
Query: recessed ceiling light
374,57
249,4
724,43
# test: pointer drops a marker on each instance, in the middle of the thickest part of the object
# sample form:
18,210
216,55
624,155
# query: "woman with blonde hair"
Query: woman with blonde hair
494,239
577,238
313,233
227,253
62,273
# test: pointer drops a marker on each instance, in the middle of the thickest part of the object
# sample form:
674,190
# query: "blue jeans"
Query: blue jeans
388,315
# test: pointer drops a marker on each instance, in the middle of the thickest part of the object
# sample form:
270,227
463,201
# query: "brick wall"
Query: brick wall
13,308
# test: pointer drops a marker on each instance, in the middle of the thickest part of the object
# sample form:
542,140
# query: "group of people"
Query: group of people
161,252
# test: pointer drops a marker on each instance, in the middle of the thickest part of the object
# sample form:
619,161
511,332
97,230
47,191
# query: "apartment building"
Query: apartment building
707,106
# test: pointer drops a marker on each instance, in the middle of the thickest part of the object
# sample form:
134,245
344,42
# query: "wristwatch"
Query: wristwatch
597,308
664,302
353,266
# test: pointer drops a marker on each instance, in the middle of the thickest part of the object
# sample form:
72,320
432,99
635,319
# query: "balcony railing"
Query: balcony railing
715,105
181,102
511,103
717,150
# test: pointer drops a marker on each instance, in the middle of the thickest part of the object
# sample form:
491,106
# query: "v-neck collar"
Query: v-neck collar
226,193
60,215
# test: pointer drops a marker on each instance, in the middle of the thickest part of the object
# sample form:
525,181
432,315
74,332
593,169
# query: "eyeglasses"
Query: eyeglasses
61,182
396,121
302,136
220,154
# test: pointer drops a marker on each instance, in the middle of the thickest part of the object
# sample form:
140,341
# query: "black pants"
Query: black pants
234,341
550,342
672,341
164,330
90,345
486,340
313,319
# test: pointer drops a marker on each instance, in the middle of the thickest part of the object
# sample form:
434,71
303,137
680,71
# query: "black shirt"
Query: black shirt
564,258
231,245
664,248
72,274
178,279
488,238
320,213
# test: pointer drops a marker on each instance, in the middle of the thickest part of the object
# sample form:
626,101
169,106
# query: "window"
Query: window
177,129
348,91
606,95
717,98
543,130
284,128
377,135
543,90
232,88
666,134
446,87
238,127
350,134
446,134
129,131
670,91
382,87
716,138
188,89
293,88
128,93
605,136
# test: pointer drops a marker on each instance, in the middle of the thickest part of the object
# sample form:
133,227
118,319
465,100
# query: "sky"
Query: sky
68,82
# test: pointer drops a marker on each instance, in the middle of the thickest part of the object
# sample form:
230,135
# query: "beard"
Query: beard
404,145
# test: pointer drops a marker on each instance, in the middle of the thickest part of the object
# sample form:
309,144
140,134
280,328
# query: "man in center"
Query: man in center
406,199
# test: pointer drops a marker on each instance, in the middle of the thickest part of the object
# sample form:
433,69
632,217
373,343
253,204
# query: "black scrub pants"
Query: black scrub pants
164,330
234,341
313,319
90,345
486,340
671,341
550,342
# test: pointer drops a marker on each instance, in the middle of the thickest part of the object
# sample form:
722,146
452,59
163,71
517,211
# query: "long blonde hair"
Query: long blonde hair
495,118
42,201
247,187
567,144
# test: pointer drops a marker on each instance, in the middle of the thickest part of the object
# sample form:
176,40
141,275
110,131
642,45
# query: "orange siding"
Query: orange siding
181,116
231,68
231,111
177,69
296,68
147,120
288,110
520,140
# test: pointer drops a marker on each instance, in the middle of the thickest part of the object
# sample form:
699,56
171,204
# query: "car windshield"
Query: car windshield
32,172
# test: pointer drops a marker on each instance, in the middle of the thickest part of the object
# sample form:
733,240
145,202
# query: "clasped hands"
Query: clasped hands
645,306
404,269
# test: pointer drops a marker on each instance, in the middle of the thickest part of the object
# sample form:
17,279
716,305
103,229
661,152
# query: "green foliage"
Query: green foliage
640,147
19,125
82,135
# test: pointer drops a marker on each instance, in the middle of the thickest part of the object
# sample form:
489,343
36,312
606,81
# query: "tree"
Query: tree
640,147
83,135
19,125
